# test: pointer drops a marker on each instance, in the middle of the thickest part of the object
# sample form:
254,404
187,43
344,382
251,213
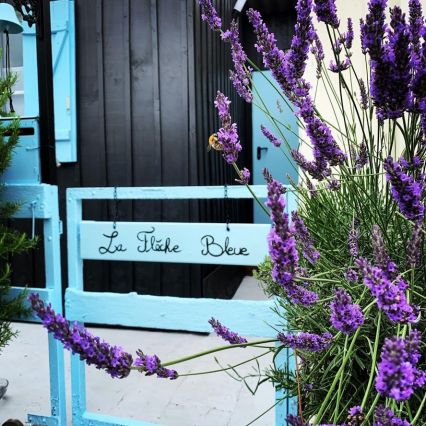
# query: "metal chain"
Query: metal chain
114,224
33,222
225,188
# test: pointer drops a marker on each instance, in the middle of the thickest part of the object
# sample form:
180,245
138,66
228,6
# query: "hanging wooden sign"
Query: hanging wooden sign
212,243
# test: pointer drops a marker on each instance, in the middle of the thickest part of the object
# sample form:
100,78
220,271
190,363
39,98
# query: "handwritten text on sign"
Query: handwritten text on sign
243,244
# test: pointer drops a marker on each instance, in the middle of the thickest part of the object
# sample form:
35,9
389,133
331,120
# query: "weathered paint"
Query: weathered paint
170,313
41,202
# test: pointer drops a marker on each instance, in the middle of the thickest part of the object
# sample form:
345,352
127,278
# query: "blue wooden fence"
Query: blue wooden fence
40,201
108,240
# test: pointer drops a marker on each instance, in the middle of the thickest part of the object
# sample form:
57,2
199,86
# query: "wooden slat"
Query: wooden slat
252,318
166,193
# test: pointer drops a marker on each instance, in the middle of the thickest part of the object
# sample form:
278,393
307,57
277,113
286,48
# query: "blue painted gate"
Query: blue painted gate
133,241
40,201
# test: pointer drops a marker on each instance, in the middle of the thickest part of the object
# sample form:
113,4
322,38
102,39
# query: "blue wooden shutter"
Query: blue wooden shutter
63,58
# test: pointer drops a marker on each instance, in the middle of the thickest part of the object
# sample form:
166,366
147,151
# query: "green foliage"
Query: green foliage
11,241
329,215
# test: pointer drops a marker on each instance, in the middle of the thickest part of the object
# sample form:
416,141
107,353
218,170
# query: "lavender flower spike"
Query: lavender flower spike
326,12
227,135
241,76
244,176
353,241
345,316
225,333
398,376
349,36
384,416
78,340
304,238
414,247
273,139
306,341
209,14
282,247
152,365
406,191
390,295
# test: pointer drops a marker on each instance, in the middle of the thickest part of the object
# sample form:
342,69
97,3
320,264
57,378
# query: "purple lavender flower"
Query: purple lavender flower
345,315
304,35
293,420
225,333
390,61
416,21
406,191
299,295
287,69
398,376
355,416
241,76
151,365
282,247
326,150
273,139
78,340
334,184
318,170
363,94
418,83
312,189
390,295
351,275
304,238
273,57
306,341
354,411
414,246
384,416
349,36
362,157
318,51
340,66
227,135
381,257
326,12
209,14
282,244
373,28
353,240
244,176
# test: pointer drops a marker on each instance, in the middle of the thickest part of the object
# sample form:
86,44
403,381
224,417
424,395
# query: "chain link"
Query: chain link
114,225
225,189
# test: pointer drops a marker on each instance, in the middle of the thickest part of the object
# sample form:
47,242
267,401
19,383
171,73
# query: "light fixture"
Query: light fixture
239,5
9,24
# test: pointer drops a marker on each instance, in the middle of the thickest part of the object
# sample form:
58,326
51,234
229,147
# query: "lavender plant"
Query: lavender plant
348,267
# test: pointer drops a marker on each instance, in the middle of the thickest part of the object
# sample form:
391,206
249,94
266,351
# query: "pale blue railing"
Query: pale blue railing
129,241
40,201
